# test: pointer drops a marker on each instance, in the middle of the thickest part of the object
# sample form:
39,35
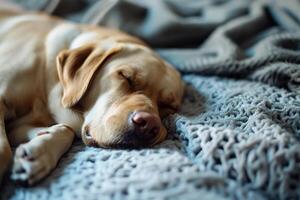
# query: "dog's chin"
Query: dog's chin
121,145
117,145
126,140
127,145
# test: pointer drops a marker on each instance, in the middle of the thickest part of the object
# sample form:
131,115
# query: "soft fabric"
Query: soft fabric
237,134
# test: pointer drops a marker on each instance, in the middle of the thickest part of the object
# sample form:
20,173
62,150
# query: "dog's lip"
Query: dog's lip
89,141
117,145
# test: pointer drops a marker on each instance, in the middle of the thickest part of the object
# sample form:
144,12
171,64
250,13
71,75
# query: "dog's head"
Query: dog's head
123,89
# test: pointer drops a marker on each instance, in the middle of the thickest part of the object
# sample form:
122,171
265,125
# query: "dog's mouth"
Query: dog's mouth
127,141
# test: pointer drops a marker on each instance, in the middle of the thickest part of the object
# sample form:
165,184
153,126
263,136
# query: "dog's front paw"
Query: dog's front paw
31,163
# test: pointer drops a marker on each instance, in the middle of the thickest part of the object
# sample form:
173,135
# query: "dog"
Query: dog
59,79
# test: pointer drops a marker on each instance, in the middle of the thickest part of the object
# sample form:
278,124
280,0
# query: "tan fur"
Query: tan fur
59,79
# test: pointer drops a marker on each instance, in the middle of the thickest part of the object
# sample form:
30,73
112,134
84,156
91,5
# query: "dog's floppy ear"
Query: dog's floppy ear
76,68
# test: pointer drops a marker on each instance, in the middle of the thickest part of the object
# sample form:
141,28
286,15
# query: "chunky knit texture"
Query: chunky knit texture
237,134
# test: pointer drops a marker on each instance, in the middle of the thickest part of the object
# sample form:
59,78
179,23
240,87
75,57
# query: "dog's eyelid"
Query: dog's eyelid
127,76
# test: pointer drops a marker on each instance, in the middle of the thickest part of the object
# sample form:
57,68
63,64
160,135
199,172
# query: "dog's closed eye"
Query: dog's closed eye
128,77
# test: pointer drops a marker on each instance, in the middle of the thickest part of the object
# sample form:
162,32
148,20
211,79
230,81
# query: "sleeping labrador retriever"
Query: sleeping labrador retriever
60,79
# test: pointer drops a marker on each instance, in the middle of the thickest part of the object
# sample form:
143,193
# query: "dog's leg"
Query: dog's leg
5,150
35,159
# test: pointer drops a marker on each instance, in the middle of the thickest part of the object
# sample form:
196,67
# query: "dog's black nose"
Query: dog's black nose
146,125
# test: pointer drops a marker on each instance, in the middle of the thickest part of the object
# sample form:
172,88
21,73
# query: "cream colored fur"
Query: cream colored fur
58,79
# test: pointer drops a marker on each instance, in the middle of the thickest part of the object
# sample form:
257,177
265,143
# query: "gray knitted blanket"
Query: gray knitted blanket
237,134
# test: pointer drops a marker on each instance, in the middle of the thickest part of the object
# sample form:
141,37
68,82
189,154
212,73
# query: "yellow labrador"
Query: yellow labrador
60,79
